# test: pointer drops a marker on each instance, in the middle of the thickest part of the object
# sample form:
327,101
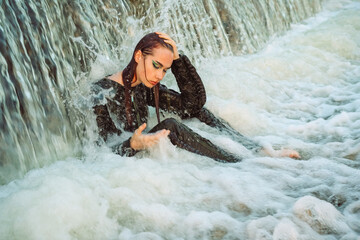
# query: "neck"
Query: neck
117,77
135,81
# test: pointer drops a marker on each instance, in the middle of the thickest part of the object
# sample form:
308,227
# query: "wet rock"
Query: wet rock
322,216
218,233
240,208
337,200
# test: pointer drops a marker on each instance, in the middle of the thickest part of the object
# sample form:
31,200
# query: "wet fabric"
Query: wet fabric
185,138
109,107
109,99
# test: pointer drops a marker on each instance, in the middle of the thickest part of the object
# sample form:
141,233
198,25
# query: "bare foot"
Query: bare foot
281,153
289,153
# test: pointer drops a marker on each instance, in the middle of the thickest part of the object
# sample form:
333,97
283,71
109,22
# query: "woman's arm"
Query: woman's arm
103,93
192,96
107,127
192,89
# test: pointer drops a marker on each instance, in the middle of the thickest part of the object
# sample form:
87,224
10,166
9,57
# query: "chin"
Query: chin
148,85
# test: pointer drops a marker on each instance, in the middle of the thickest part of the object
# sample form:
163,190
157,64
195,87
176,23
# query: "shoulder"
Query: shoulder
104,83
104,89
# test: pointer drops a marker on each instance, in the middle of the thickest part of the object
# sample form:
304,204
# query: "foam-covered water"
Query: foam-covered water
302,91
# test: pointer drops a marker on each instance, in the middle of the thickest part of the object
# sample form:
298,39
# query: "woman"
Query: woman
121,102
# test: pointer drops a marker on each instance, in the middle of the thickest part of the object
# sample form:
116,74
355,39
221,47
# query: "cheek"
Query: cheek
150,69
142,68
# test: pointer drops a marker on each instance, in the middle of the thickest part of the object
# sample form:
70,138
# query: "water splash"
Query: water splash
301,91
48,47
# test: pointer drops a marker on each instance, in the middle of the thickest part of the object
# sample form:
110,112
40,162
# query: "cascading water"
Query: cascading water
297,88
48,46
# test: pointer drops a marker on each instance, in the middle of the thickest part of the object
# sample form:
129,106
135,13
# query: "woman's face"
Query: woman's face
152,68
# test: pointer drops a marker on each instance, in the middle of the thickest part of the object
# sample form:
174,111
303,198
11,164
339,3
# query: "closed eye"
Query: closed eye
156,65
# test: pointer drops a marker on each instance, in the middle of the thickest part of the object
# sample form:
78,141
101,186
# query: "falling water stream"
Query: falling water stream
282,72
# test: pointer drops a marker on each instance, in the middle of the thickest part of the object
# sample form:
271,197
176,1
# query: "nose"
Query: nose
159,75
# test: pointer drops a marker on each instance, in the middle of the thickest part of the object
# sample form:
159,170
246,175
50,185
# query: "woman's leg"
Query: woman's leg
208,118
183,137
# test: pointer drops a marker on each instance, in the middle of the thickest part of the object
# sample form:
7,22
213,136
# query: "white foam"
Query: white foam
301,91
285,230
56,207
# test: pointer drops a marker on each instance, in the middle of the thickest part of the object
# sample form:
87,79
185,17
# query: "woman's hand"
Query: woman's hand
169,40
143,141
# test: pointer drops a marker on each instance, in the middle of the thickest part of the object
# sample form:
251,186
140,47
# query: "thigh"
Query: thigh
169,124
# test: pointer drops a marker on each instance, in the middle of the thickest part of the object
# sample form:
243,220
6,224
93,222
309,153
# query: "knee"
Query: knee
169,123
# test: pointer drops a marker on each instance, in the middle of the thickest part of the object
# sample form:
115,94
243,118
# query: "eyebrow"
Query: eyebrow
161,64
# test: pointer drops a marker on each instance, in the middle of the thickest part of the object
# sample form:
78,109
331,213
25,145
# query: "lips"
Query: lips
152,82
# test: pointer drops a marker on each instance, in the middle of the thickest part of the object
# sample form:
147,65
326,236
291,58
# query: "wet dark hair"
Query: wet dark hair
146,46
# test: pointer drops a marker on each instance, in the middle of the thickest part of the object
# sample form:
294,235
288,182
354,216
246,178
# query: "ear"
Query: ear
138,55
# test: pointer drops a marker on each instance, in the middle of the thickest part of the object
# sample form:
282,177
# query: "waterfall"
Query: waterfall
47,48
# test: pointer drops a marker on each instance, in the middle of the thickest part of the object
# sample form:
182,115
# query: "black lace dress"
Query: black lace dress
109,107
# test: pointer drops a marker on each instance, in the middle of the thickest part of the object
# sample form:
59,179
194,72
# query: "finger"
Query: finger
150,140
156,135
161,33
171,42
163,133
140,129
166,133
165,36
